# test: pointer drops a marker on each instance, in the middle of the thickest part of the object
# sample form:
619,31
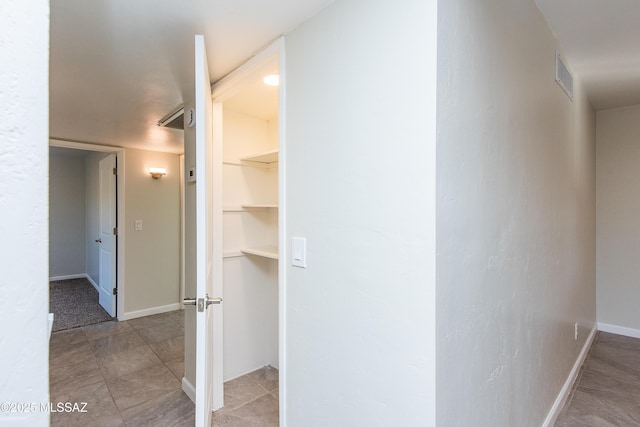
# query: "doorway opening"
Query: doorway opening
233,154
85,244
247,107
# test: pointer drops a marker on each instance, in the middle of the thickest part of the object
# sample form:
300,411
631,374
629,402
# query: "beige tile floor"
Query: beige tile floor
130,373
250,401
607,391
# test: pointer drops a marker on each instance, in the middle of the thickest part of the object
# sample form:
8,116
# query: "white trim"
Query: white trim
215,334
149,311
93,283
232,254
620,330
76,276
282,232
568,384
84,146
89,146
182,229
50,319
189,389
68,277
257,368
229,85
121,285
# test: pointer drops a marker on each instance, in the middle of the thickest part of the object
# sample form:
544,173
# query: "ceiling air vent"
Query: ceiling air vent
174,120
564,77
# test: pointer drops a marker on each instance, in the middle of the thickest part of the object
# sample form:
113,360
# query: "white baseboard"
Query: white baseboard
189,389
51,316
149,311
94,284
619,330
76,276
68,277
243,373
568,384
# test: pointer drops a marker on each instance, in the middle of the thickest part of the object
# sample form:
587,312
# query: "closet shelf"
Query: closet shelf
263,251
250,207
265,159
260,205
232,254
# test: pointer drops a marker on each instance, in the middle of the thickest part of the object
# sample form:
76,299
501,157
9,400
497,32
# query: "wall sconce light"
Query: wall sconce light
157,172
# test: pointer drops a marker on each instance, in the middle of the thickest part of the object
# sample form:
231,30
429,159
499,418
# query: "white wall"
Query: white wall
24,329
250,315
152,270
515,217
66,213
618,210
360,166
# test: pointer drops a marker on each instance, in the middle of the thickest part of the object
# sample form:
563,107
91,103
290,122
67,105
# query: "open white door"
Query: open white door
209,392
107,238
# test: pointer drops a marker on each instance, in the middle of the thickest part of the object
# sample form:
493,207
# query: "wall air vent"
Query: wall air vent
564,77
174,120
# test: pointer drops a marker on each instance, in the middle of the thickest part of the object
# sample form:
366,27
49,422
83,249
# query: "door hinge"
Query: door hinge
115,231
115,291
115,171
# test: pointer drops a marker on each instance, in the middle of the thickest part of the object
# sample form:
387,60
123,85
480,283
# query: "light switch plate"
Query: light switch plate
299,252
138,224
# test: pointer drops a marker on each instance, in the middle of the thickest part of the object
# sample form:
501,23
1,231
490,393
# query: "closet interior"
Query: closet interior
250,223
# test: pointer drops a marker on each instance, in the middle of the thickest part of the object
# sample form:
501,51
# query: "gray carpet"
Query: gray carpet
74,303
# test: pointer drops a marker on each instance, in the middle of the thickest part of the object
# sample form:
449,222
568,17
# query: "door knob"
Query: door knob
202,303
213,300
98,240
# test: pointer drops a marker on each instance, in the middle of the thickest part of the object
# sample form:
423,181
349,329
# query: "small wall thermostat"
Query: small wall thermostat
191,174
190,117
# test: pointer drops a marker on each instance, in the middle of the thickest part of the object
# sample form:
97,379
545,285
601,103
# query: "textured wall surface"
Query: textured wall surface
618,210
24,307
360,135
515,217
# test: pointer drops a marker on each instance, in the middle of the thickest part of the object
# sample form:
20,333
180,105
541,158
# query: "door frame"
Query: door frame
120,209
222,91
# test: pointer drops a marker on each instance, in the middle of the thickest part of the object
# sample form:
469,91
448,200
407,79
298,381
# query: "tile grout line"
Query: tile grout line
104,378
92,355
596,368
146,343
255,398
160,358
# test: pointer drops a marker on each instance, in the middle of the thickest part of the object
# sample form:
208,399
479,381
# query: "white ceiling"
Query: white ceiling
601,40
117,67
255,98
